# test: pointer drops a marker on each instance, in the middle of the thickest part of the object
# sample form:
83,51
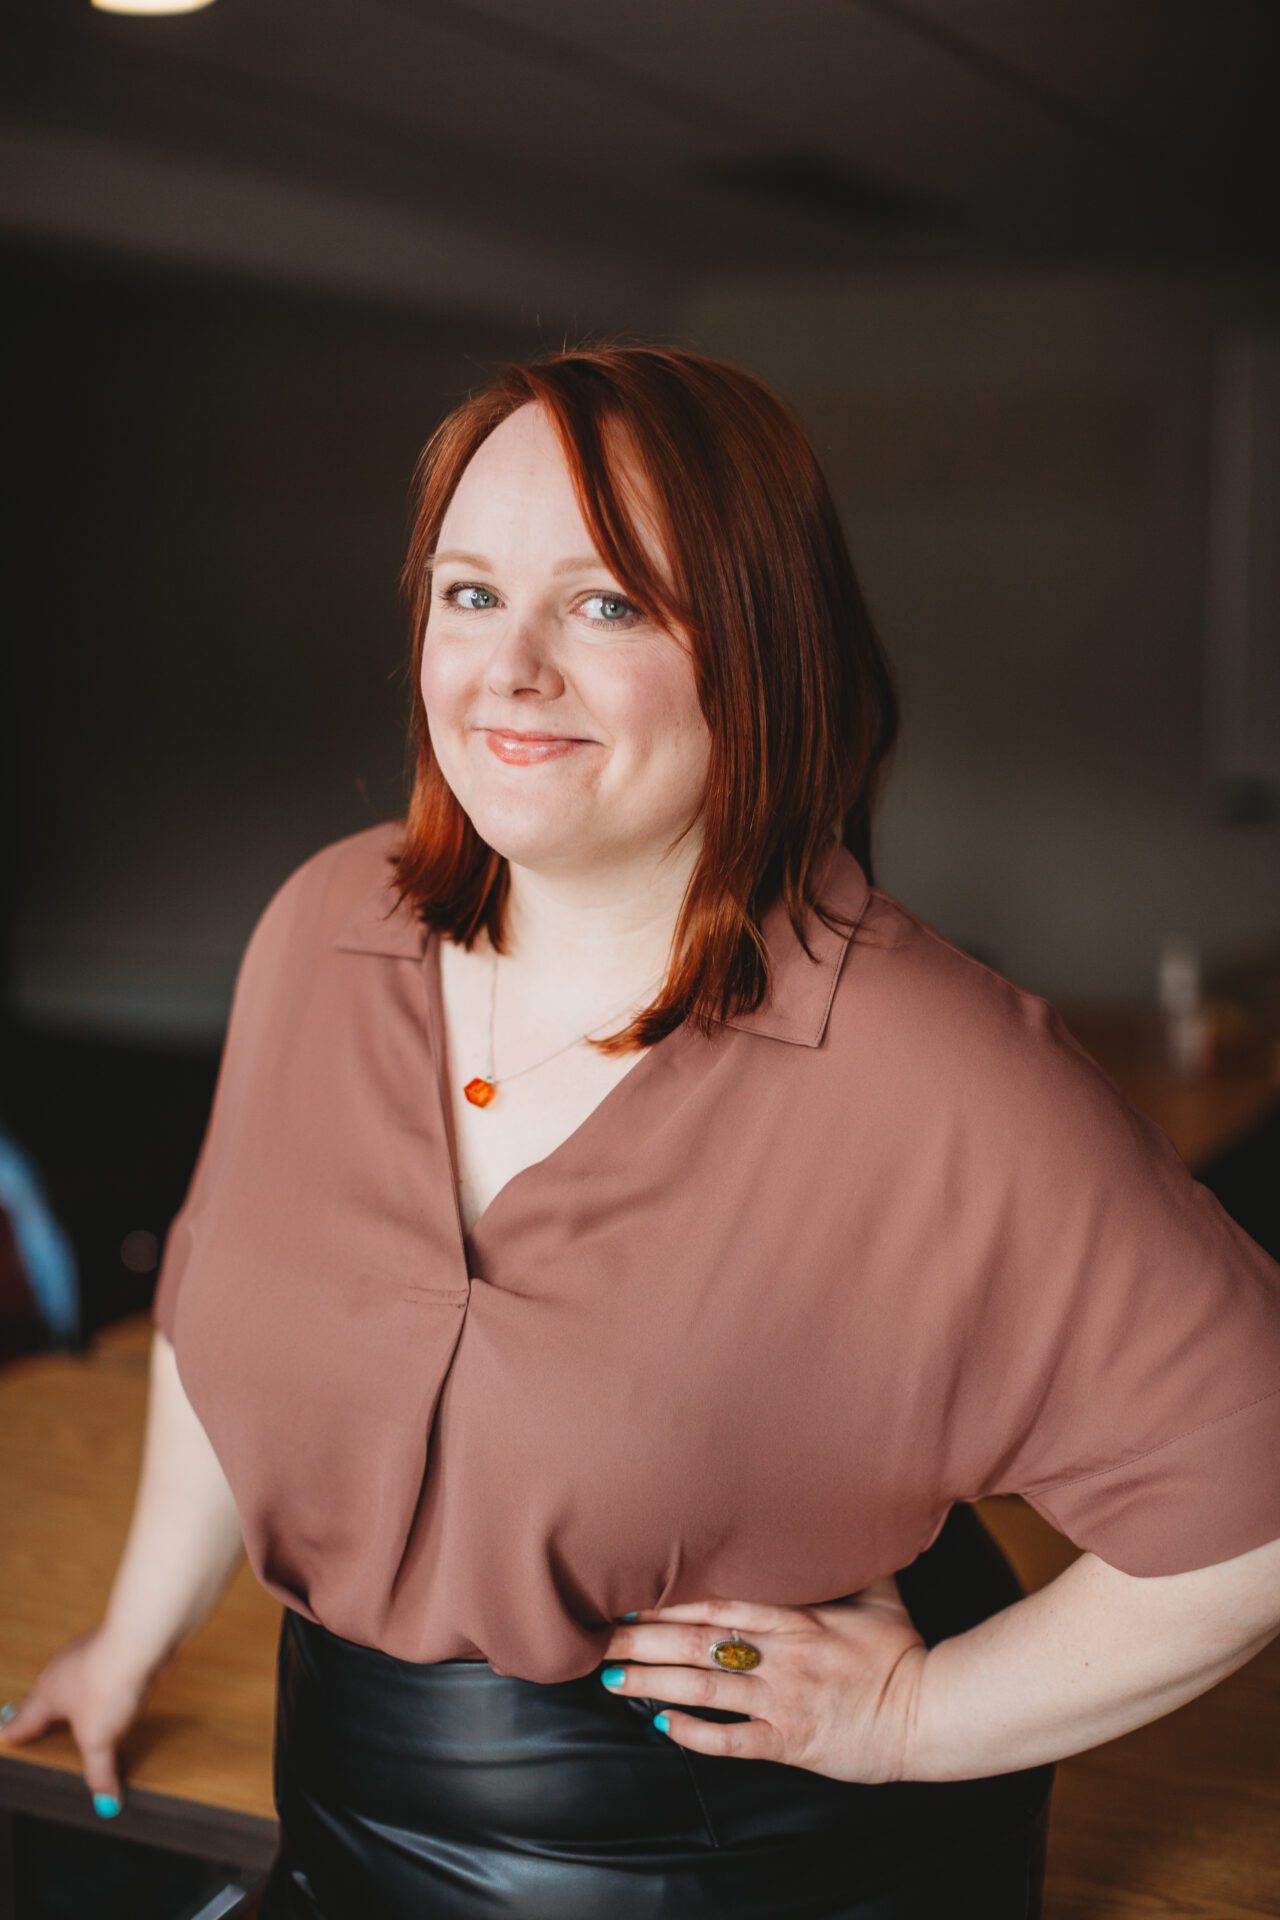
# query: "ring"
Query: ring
735,1654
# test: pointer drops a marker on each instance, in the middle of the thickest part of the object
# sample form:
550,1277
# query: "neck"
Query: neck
596,935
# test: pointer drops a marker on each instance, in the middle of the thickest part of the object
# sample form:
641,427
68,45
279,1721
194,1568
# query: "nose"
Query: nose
523,658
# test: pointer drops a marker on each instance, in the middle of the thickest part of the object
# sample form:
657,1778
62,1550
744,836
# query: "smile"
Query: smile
526,750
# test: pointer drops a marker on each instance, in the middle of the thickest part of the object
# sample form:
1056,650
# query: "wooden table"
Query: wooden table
197,1763
1201,1113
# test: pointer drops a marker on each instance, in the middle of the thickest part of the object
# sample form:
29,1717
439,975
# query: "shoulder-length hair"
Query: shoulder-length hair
797,694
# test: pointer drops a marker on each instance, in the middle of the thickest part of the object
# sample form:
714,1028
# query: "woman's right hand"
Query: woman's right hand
92,1686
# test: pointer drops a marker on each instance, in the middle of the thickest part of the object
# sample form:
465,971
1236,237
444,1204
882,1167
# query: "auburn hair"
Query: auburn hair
797,694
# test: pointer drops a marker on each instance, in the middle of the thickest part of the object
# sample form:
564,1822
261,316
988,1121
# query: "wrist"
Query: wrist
904,1701
930,1749
133,1651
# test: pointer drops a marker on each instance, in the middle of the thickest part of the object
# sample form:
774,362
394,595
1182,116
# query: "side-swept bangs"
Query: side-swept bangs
798,696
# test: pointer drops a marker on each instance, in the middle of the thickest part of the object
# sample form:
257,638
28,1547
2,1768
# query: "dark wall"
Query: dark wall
204,682
209,647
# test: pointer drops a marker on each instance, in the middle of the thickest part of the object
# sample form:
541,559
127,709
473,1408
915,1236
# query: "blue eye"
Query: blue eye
629,616
450,595
613,600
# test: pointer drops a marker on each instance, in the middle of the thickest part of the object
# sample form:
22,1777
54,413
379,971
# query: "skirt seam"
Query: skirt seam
692,1772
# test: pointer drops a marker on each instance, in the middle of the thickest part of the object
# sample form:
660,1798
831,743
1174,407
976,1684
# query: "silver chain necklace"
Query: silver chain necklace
482,1091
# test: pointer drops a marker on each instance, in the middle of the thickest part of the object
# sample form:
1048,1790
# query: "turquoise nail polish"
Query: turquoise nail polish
106,1804
7,1711
662,1723
626,1616
613,1676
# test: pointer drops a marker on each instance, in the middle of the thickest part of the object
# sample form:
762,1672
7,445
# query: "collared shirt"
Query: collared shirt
890,1242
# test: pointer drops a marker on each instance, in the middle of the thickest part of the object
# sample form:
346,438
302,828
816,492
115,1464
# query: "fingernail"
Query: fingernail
613,1676
662,1723
7,1711
106,1804
626,1616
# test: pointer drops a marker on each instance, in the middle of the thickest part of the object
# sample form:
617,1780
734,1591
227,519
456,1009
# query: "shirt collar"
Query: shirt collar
797,1007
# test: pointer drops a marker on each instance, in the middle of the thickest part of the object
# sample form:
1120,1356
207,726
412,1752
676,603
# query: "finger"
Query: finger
32,1717
672,1643
102,1776
694,1686
883,1596
731,1739
885,1588
749,1616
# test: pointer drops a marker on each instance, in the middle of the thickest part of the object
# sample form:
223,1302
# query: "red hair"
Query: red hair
795,689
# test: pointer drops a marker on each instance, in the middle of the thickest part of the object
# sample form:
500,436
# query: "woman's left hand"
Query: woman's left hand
834,1691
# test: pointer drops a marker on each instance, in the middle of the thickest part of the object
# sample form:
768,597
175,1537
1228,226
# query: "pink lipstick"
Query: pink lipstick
529,749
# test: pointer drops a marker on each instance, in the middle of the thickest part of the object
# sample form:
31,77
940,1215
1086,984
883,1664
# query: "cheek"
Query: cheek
664,730
651,712
443,680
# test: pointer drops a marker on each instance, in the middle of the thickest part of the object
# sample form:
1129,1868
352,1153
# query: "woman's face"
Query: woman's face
528,634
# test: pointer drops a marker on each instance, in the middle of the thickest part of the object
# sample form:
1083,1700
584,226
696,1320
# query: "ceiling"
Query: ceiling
600,155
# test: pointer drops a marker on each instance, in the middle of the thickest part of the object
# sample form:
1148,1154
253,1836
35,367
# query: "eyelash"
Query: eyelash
449,598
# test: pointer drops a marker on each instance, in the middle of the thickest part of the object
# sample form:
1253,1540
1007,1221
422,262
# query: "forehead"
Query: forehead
525,440
517,488
516,484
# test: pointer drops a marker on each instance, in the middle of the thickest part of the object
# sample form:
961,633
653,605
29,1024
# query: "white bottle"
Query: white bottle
1180,997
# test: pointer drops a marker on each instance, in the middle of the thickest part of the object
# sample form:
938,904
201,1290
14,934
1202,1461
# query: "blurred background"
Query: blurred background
1014,262
1016,265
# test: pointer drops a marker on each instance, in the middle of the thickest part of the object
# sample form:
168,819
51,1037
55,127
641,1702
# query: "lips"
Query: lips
529,749
516,733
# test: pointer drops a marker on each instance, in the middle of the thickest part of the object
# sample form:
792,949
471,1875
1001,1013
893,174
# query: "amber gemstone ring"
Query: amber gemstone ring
735,1655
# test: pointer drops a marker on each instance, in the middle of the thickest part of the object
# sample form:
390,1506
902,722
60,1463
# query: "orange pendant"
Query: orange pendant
480,1092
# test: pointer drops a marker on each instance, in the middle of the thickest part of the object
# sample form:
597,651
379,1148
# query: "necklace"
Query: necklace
482,1090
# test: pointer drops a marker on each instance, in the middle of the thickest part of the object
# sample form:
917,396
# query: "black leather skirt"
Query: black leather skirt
449,1792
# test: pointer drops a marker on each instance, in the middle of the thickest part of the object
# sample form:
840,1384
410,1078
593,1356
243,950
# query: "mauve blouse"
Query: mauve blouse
890,1242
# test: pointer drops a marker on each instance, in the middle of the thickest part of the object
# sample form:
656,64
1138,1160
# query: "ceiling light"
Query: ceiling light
150,6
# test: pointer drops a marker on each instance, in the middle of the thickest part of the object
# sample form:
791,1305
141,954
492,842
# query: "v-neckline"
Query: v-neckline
591,1124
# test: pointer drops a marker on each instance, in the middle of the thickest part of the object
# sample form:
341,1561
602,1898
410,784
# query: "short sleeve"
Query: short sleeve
1128,1385
262,970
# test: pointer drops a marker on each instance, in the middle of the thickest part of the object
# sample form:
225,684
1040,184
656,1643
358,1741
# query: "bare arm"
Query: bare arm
1088,1657
184,1541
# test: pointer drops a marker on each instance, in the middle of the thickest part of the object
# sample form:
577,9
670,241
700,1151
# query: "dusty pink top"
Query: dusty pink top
890,1242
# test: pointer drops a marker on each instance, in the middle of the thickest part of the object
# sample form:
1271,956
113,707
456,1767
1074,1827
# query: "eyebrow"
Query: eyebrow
581,563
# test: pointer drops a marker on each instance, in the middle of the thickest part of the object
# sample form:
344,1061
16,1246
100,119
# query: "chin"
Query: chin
528,841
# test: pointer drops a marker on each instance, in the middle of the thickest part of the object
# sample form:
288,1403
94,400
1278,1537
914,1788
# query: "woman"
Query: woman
580,1388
